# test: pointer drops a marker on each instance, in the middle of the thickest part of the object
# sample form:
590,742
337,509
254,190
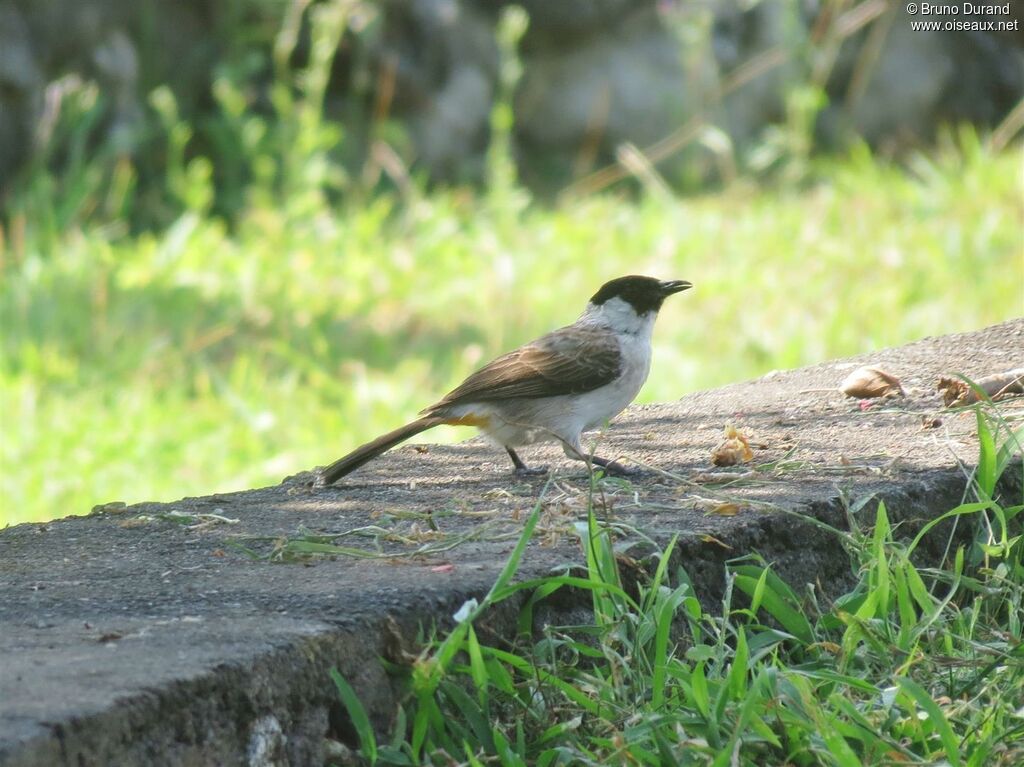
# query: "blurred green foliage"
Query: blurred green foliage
219,353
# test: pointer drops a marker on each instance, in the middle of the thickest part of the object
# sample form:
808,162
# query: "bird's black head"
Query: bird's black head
645,294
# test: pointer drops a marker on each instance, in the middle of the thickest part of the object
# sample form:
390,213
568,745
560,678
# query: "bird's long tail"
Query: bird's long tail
371,450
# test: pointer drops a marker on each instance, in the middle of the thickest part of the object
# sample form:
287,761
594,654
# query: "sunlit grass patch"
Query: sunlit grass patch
206,358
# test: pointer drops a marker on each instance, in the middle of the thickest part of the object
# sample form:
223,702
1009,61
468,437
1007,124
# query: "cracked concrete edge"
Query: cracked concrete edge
276,709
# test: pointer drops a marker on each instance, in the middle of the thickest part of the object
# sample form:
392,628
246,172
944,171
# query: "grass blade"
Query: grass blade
935,717
788,616
356,712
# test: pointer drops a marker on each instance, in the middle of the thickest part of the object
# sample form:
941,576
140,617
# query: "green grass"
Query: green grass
207,357
916,664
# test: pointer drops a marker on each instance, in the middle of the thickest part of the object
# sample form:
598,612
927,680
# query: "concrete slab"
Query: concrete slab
146,636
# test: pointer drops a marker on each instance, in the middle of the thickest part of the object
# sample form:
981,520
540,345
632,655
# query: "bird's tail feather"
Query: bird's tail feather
371,450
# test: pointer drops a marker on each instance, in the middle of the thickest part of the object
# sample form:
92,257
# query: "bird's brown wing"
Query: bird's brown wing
571,360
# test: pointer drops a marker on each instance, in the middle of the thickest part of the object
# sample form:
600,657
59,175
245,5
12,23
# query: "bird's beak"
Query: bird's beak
668,287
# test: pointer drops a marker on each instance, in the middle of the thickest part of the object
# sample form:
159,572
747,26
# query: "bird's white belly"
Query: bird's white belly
597,407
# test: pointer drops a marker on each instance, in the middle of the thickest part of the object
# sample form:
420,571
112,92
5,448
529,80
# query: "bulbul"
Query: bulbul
552,389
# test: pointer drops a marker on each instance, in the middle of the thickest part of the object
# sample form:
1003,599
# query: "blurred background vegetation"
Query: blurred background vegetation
237,239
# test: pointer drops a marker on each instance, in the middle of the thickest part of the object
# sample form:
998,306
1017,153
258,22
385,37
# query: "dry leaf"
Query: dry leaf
734,449
870,382
139,521
712,539
831,647
999,386
726,510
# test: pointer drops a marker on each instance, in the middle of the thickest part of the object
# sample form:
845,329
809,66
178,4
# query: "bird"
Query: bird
552,389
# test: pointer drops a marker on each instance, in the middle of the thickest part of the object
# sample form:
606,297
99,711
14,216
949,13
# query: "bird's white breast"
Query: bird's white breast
598,406
565,417
633,333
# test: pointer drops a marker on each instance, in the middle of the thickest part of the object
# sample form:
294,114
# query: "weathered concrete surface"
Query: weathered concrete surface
129,638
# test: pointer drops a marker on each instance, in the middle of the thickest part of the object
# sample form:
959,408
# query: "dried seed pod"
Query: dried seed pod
725,510
870,382
734,449
956,392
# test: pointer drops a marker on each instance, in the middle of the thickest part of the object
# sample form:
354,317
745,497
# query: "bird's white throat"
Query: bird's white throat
620,316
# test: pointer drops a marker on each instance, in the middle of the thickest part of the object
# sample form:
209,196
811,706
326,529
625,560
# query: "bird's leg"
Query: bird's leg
521,468
611,468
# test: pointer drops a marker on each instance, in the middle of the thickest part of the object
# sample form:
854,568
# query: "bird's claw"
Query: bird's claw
530,471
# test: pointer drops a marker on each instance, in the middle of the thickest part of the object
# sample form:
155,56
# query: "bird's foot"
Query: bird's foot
521,469
614,468
529,471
